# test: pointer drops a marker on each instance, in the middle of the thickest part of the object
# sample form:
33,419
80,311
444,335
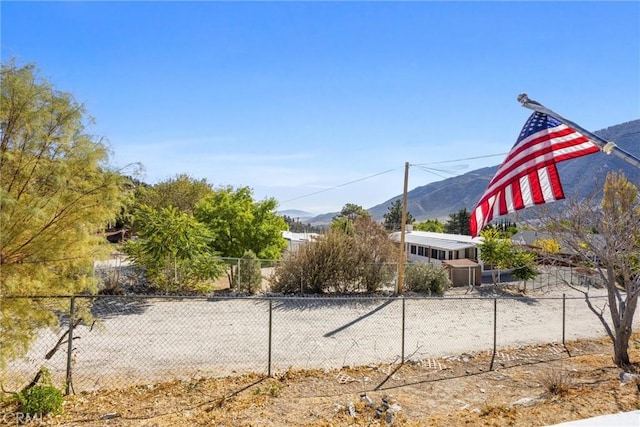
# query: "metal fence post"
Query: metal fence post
72,315
495,331
564,317
403,328
270,335
564,322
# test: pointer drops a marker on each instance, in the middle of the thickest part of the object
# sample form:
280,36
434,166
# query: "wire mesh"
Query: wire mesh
148,339
37,326
331,333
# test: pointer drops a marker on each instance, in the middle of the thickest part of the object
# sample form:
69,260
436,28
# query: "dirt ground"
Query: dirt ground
536,385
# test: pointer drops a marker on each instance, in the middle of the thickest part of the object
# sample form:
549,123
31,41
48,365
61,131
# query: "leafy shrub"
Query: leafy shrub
41,399
426,278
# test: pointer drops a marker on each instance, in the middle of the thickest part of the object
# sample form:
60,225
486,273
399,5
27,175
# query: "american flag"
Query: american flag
529,176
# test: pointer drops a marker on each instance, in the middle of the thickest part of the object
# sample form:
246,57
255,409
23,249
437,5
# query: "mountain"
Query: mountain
580,177
296,214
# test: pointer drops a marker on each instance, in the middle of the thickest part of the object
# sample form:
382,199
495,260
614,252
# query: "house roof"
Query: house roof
299,237
447,242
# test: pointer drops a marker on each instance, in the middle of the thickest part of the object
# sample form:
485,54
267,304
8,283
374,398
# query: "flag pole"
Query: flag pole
607,147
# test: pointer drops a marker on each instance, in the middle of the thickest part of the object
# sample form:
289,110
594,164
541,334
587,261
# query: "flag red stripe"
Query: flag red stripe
556,185
518,203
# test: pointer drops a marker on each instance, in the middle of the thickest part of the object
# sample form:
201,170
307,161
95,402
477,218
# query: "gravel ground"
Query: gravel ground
145,340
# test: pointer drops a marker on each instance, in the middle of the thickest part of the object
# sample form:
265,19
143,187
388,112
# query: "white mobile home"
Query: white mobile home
294,240
458,253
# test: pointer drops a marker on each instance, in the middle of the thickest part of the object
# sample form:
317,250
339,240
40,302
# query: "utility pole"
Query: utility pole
403,228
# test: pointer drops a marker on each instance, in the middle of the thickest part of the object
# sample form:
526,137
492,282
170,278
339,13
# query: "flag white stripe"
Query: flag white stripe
509,198
525,189
545,185
496,205
479,215
492,201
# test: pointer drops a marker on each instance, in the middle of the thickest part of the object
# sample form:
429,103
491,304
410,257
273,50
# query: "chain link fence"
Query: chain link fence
120,275
147,339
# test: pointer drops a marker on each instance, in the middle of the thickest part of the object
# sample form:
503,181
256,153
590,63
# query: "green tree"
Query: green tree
495,251
506,227
345,219
174,250
458,223
182,192
238,223
57,194
499,253
296,226
523,265
432,225
547,246
393,217
615,249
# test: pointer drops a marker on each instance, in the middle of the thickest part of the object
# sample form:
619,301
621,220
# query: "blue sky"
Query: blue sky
295,98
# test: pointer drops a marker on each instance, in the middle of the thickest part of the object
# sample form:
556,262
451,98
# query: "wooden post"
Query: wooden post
403,228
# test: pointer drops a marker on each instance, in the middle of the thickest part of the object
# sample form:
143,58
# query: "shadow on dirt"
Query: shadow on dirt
501,291
111,306
342,301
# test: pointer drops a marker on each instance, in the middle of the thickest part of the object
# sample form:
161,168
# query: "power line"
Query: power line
421,165
338,186
460,160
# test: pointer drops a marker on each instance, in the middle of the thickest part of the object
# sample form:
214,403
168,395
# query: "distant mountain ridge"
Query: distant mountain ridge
580,177
296,214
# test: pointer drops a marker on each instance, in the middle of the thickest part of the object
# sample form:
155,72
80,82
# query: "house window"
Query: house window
420,251
441,255
471,253
413,249
434,253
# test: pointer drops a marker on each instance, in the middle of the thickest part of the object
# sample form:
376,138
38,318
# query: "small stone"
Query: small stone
626,377
395,407
525,401
390,418
109,416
